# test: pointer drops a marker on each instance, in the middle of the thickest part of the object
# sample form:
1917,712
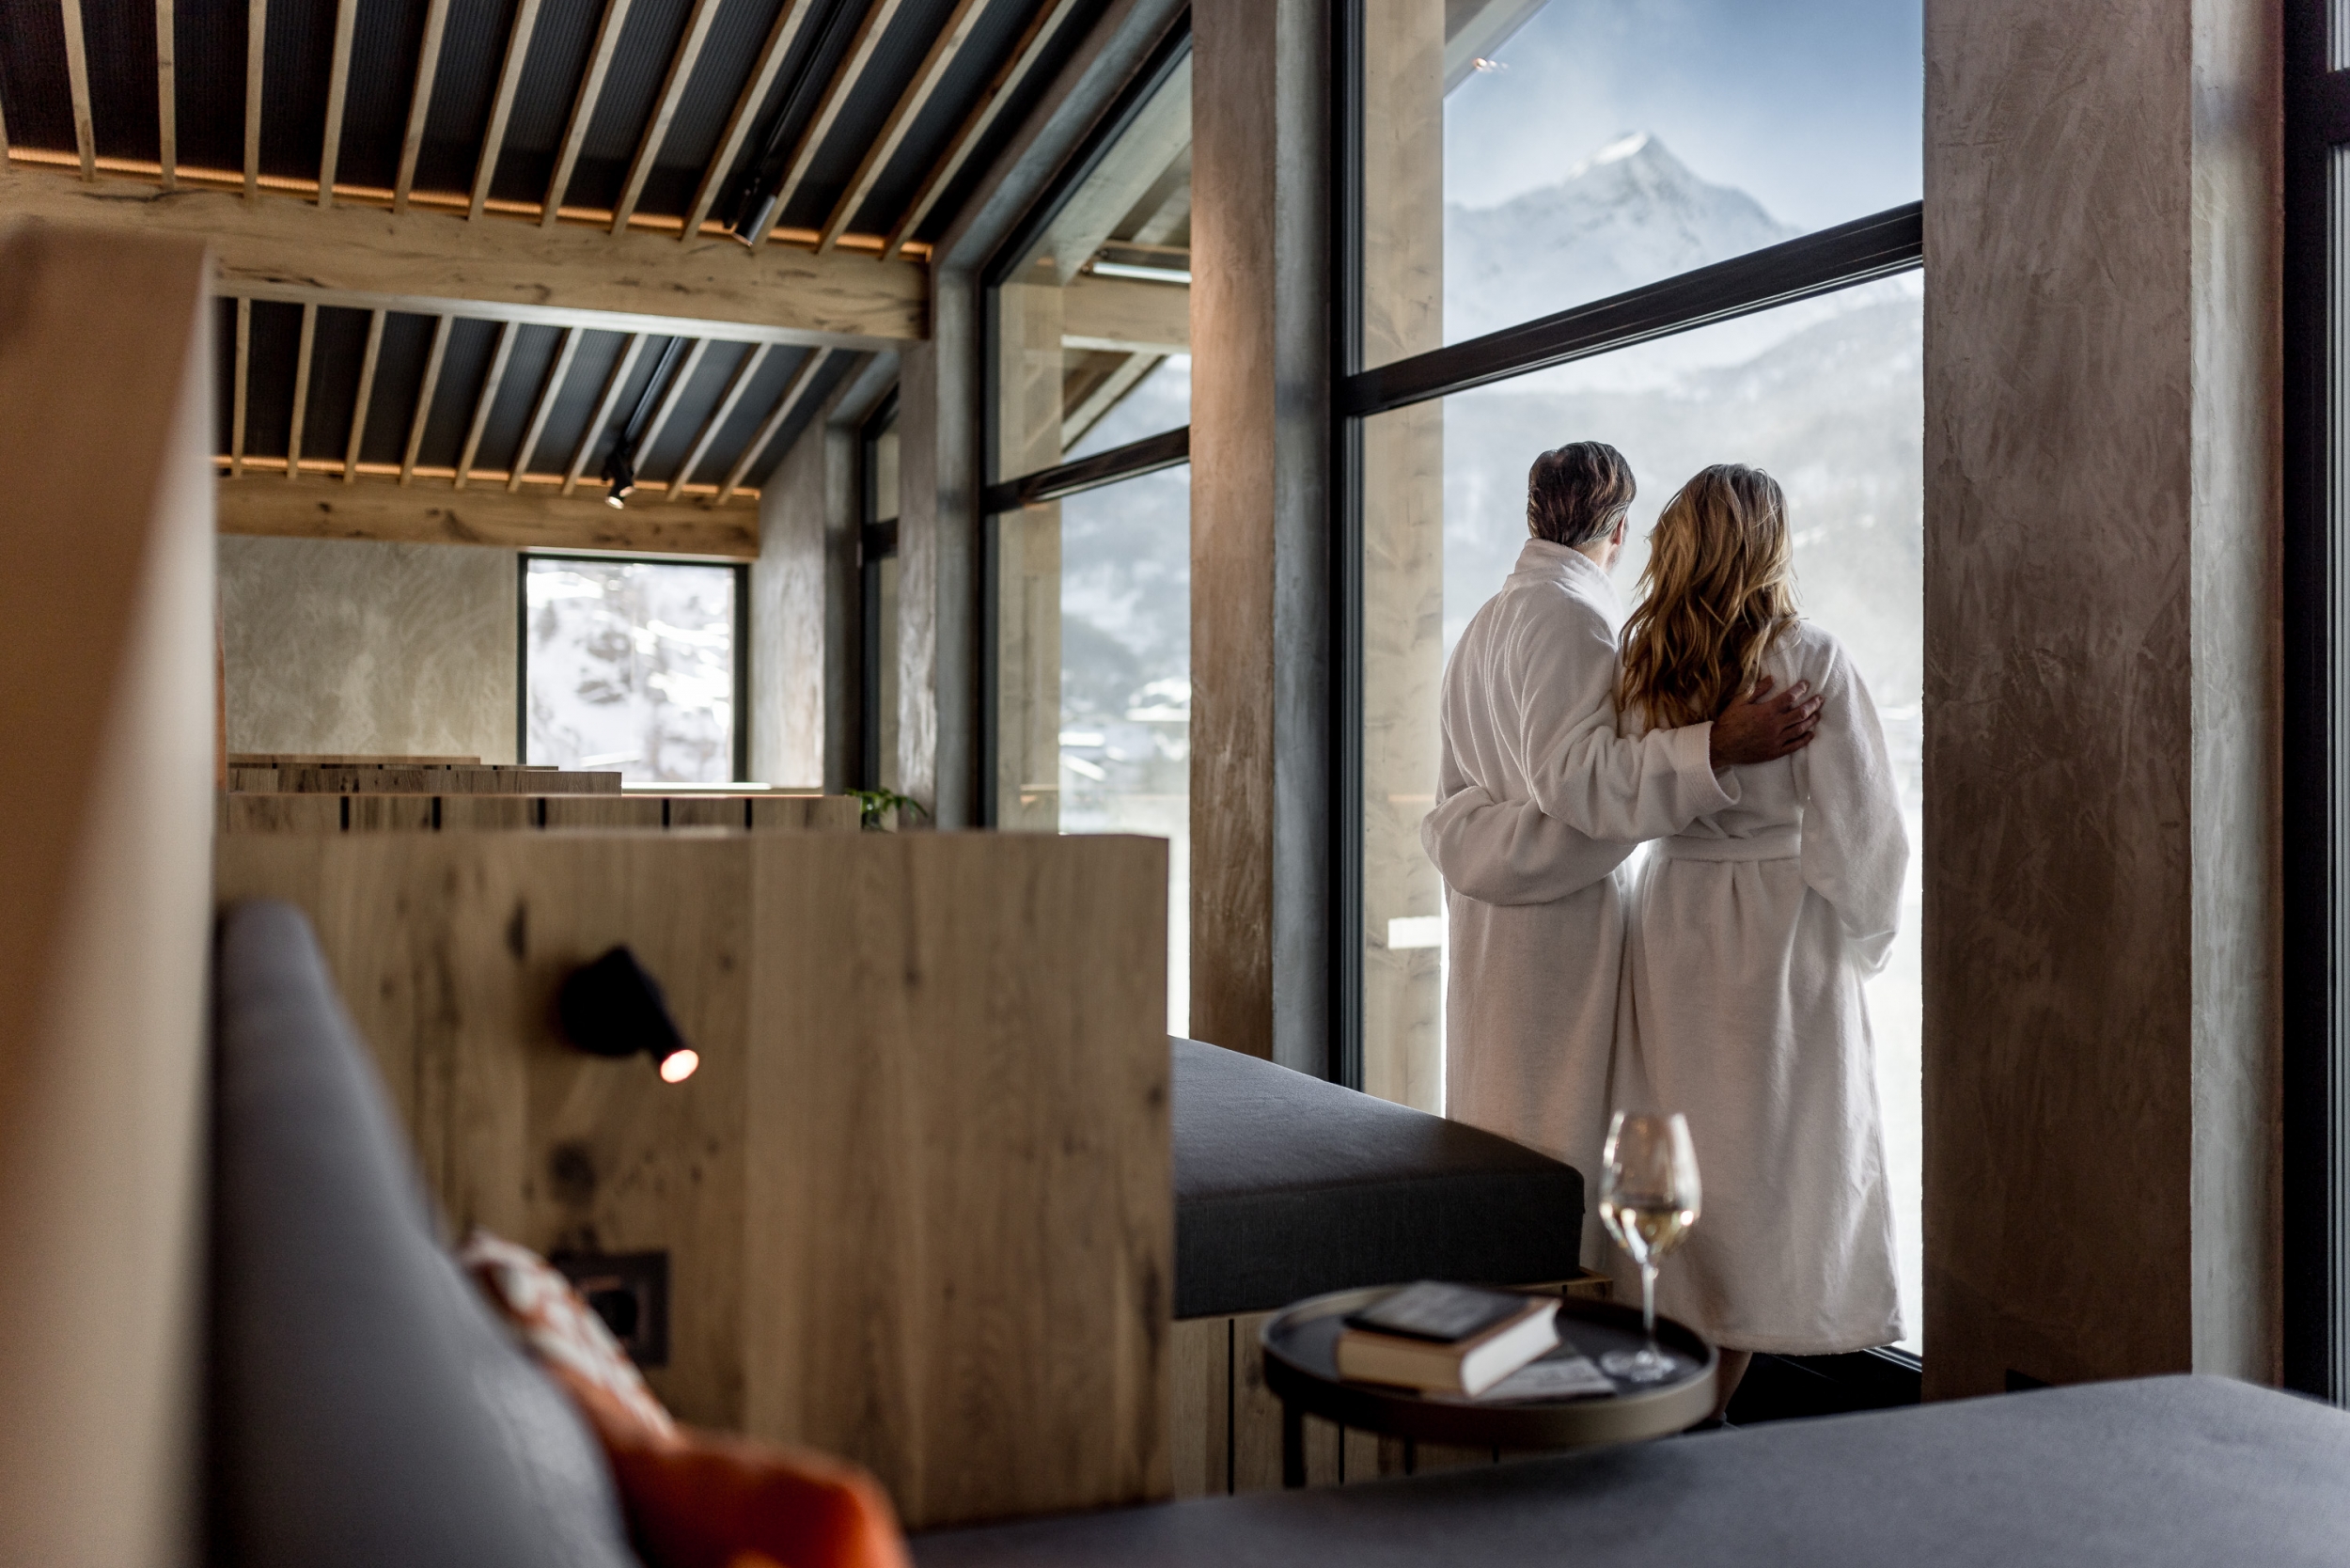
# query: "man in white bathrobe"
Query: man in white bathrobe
1538,802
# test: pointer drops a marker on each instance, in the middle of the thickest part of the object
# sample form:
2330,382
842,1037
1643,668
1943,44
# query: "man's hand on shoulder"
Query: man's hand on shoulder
1763,727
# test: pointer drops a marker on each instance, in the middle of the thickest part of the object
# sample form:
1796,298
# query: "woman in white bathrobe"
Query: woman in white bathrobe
1750,934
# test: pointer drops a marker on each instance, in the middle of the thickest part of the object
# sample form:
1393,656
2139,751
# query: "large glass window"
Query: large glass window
1518,160
633,665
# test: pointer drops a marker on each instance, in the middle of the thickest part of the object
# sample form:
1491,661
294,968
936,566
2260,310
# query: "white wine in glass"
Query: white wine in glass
1648,1199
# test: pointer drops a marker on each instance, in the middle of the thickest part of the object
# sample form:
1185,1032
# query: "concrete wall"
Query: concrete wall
346,645
2102,507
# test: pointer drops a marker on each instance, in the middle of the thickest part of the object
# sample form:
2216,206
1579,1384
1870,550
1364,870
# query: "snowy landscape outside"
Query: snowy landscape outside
630,666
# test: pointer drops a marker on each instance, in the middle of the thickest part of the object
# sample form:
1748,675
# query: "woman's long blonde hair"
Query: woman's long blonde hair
1717,591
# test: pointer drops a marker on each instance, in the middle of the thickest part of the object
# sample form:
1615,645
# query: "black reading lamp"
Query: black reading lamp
613,1007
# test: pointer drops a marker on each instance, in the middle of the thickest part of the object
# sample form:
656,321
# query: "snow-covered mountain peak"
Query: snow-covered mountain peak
1628,214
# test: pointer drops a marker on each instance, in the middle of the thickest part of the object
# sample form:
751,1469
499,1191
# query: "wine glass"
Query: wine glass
1648,1200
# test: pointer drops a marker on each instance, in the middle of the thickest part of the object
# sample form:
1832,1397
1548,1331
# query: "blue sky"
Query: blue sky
1814,109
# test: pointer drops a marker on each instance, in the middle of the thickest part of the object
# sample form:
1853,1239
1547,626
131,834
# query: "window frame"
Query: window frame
877,542
742,570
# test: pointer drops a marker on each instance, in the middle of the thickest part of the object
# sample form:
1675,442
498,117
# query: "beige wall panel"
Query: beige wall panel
2100,1054
960,1039
796,664
106,618
336,646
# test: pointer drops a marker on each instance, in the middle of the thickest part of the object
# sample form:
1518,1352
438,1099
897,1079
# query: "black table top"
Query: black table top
1301,1366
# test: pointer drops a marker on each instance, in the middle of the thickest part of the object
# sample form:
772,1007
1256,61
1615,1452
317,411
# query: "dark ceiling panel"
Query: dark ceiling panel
1057,54
631,91
591,367
792,105
659,464
337,350
526,368
33,84
473,50
836,369
561,48
399,372
224,371
639,377
470,346
294,77
758,401
269,383
737,35
983,54
385,48
887,71
119,46
208,75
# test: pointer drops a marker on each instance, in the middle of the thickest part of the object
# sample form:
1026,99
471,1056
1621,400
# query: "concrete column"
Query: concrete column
803,614
2102,504
937,559
1404,74
1028,560
1261,564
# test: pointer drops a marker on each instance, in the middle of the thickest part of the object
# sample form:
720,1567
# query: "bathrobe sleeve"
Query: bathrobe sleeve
1855,848
1512,854
1578,769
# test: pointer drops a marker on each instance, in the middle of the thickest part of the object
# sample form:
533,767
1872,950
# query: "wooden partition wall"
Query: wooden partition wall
105,628
916,1200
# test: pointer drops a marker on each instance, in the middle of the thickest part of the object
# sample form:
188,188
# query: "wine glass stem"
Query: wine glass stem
1648,1302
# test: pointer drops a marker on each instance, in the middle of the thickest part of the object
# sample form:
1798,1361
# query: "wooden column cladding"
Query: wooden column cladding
1260,535
917,1200
106,418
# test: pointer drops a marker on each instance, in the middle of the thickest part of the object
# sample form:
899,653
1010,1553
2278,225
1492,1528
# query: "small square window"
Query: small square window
634,666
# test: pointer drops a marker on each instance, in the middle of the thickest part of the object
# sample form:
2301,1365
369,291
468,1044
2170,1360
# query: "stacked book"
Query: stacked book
1467,1342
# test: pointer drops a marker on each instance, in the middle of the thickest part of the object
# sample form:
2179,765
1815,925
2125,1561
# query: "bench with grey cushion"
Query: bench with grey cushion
2184,1471
1286,1186
365,1409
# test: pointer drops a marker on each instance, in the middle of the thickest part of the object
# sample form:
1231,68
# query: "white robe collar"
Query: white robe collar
1543,563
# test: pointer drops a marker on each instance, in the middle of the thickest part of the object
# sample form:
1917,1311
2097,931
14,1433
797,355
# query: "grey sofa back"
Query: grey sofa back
365,1408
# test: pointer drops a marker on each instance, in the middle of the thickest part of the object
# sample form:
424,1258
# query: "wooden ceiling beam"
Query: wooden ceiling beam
836,93
790,22
256,56
535,519
583,107
1123,315
419,102
433,263
502,108
77,84
300,391
367,396
909,104
689,50
736,385
975,125
483,403
236,396
802,378
337,90
613,386
425,390
166,96
556,375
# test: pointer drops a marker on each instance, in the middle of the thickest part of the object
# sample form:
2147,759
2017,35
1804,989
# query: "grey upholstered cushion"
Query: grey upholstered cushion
366,1409
1286,1186
2171,1471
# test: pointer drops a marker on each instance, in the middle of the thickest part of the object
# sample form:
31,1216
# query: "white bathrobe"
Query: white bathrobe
1751,934
1538,802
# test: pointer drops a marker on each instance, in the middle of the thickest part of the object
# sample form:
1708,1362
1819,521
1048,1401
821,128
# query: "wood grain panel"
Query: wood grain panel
916,1200
1199,1406
376,506
955,1052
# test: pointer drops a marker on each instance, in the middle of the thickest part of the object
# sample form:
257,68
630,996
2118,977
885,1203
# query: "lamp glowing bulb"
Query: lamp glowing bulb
677,1066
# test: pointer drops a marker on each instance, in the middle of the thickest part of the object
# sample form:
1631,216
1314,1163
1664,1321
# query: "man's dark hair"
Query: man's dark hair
1576,494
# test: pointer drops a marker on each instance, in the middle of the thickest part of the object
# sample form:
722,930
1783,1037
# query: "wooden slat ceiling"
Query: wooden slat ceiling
856,125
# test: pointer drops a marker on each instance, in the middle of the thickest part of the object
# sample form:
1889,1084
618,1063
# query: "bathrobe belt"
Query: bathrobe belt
1779,843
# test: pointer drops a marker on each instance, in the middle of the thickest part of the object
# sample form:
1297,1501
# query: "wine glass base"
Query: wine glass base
1644,1365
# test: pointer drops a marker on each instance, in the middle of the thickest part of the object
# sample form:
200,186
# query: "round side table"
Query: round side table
1301,1369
